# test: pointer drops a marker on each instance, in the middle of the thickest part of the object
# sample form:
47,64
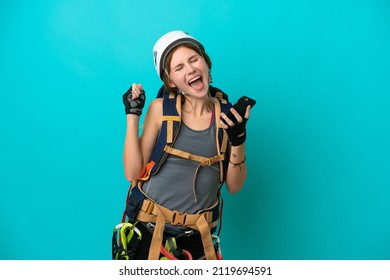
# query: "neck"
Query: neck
197,106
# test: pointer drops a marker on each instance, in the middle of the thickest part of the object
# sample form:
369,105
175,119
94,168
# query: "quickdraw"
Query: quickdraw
125,241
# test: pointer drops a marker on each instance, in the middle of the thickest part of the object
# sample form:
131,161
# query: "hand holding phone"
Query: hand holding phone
237,131
240,107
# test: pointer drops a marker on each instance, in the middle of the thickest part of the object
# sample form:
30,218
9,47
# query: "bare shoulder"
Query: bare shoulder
154,114
156,104
155,107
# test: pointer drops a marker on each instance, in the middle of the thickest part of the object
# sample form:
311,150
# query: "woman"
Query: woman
182,185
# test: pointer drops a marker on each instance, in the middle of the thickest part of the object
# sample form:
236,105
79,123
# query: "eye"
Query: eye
178,68
194,59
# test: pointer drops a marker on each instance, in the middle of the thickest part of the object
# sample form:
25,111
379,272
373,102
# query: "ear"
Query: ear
171,84
167,79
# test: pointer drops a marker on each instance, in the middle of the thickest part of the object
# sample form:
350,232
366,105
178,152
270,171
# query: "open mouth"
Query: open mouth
196,83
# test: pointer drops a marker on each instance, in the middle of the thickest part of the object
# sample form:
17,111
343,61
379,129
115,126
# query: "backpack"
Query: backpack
139,207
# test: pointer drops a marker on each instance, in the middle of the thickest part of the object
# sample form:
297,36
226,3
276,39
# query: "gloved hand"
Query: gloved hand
237,133
134,106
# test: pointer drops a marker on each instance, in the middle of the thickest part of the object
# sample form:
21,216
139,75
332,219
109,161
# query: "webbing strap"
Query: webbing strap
202,160
206,238
220,148
154,250
170,120
219,95
149,211
152,212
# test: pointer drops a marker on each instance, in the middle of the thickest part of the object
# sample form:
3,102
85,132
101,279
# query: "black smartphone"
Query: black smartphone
240,107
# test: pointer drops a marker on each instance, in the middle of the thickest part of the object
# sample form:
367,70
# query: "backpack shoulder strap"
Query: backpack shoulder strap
170,126
222,97
222,139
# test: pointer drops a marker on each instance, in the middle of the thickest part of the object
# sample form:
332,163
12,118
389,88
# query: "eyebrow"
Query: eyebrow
191,57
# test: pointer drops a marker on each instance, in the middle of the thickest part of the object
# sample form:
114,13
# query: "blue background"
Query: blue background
318,138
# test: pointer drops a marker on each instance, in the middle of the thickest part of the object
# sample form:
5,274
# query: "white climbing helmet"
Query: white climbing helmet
166,43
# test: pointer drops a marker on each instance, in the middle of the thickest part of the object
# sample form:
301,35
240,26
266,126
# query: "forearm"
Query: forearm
237,170
132,156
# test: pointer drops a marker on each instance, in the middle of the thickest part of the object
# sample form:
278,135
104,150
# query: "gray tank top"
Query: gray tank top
172,186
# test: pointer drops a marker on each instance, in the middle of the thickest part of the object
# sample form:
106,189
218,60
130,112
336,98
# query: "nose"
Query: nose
190,69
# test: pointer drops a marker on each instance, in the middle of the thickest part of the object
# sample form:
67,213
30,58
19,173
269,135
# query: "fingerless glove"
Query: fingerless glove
237,133
133,106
